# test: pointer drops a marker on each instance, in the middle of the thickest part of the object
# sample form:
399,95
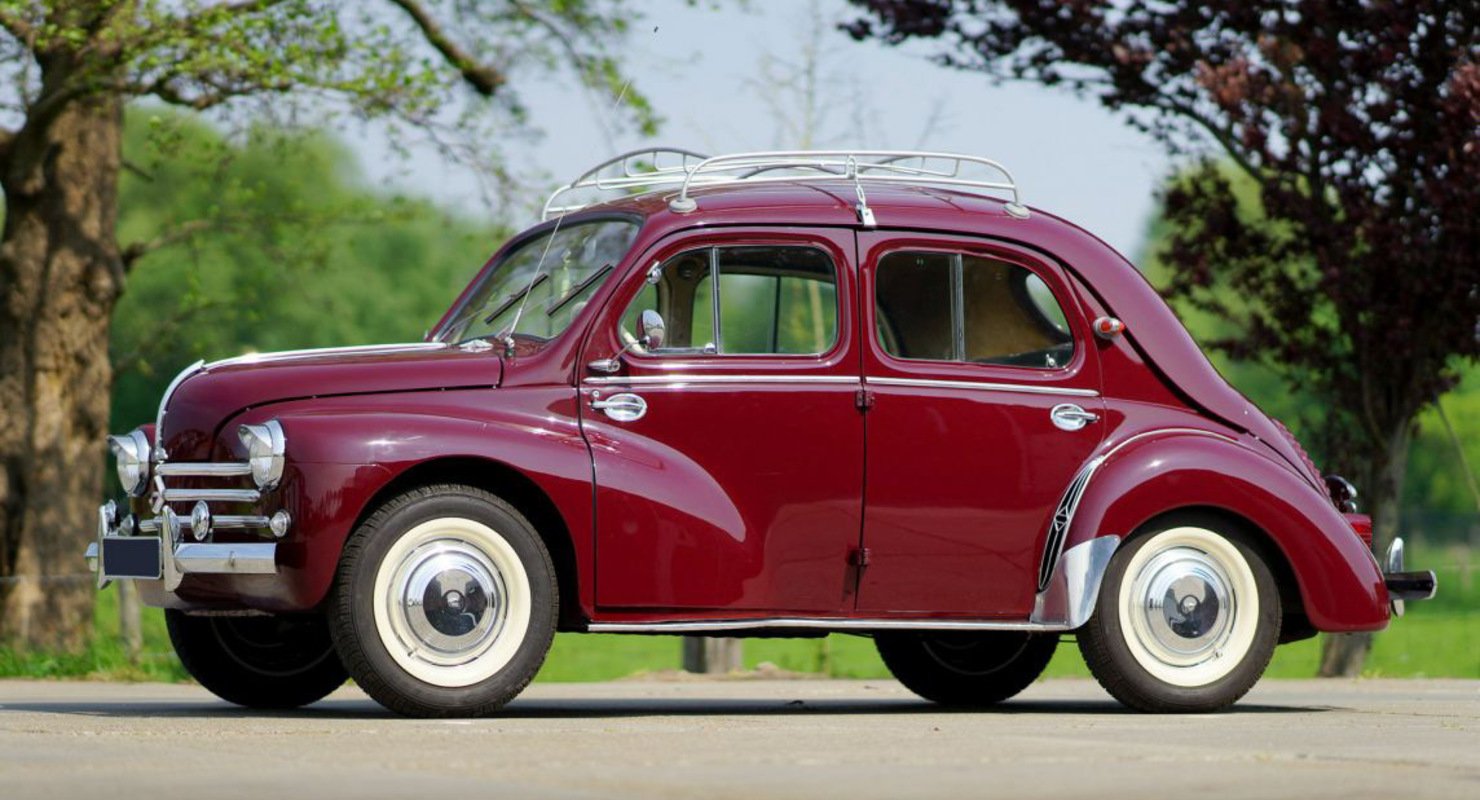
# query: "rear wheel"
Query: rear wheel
966,668
282,661
1187,619
445,603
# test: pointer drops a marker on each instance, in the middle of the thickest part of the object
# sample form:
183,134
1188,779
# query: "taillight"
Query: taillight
1362,524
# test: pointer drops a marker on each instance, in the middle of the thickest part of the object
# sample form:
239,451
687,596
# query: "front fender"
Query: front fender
1151,474
343,452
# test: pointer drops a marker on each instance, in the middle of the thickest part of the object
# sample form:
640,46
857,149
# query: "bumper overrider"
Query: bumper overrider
1403,586
167,546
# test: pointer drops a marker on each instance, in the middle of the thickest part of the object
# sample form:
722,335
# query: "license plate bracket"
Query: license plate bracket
136,557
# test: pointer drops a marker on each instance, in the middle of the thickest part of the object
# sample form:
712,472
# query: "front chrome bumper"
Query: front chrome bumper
1403,586
117,555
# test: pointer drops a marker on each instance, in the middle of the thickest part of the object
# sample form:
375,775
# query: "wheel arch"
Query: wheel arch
1296,623
516,488
1322,566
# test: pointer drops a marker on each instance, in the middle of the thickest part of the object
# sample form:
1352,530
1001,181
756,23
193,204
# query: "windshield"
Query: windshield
559,270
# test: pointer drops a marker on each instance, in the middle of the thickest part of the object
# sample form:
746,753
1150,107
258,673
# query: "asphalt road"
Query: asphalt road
745,739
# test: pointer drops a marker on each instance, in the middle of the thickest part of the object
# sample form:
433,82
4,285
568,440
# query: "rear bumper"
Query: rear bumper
1403,586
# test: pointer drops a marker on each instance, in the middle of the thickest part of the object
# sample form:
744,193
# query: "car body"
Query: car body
935,417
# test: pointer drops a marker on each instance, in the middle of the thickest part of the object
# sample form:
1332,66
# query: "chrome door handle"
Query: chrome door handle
624,407
1069,417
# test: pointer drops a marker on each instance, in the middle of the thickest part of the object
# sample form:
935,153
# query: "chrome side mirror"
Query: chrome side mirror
652,329
651,332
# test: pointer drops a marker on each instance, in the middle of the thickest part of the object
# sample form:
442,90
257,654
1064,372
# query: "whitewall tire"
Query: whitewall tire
1187,618
445,603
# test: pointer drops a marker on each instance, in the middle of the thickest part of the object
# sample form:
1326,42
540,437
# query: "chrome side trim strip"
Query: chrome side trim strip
664,380
1024,388
216,470
816,623
294,355
224,495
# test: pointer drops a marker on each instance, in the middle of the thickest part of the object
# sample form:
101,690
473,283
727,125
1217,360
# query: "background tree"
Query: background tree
1355,271
68,68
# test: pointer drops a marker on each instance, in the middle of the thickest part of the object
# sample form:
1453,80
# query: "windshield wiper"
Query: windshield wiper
578,290
516,297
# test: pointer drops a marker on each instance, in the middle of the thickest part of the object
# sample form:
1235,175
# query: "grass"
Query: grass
1438,638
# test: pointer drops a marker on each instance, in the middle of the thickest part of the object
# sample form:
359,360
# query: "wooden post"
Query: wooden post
128,620
711,655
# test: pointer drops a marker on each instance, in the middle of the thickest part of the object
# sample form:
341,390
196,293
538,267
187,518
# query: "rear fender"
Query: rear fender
1151,474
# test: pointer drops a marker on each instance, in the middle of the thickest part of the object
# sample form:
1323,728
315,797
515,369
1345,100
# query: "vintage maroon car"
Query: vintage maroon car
765,394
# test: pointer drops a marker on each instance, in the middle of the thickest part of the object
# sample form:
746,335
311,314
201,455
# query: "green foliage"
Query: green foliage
291,251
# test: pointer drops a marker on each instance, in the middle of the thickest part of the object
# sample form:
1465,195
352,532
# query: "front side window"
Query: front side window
955,307
771,300
558,271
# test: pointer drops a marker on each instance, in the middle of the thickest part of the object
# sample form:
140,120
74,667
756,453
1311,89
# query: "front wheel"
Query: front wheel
445,603
972,669
1187,619
281,661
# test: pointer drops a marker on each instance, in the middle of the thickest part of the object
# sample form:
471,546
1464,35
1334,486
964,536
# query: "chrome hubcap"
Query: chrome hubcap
449,602
1186,607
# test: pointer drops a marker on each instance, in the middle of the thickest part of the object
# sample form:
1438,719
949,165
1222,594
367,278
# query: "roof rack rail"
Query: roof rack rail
631,172
646,170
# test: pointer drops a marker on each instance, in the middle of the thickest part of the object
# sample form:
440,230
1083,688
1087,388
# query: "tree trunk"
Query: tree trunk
1344,654
711,655
60,276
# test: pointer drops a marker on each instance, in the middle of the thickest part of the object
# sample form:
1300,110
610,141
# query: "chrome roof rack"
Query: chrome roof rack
659,168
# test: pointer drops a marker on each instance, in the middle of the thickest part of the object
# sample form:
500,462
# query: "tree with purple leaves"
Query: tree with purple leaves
1356,270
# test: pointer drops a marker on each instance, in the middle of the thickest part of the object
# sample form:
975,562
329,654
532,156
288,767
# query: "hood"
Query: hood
205,396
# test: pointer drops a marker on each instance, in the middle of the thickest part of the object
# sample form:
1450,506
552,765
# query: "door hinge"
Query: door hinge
864,399
858,557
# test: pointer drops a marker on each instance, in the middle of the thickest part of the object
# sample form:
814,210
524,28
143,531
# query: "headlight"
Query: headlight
132,453
265,445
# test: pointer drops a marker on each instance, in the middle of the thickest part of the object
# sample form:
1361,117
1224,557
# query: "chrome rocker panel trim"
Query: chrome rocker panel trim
1064,606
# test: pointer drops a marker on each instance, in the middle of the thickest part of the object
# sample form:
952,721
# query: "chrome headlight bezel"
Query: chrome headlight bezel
131,454
265,445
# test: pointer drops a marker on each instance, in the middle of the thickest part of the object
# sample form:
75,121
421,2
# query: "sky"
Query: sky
702,68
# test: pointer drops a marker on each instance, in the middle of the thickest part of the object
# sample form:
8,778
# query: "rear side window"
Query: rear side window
956,307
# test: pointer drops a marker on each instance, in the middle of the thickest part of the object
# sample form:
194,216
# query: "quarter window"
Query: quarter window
772,300
956,307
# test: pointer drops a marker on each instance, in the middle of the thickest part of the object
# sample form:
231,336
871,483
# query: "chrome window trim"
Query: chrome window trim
664,380
988,386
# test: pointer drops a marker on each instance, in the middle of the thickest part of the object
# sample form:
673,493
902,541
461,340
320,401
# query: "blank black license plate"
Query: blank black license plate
131,557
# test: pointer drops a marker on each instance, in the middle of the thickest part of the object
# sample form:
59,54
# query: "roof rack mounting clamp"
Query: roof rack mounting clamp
683,204
865,214
1015,209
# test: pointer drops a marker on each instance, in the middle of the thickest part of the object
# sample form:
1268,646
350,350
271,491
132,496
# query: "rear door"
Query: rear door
972,351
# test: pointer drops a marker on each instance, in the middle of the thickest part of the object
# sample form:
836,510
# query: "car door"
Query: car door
729,459
984,388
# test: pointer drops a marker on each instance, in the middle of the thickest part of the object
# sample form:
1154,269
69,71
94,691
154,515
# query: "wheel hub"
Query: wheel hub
1186,609
451,601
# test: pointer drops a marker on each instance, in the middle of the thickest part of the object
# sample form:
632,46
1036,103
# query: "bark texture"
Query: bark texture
60,277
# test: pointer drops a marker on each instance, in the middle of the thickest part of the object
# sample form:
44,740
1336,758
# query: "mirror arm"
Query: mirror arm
609,366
